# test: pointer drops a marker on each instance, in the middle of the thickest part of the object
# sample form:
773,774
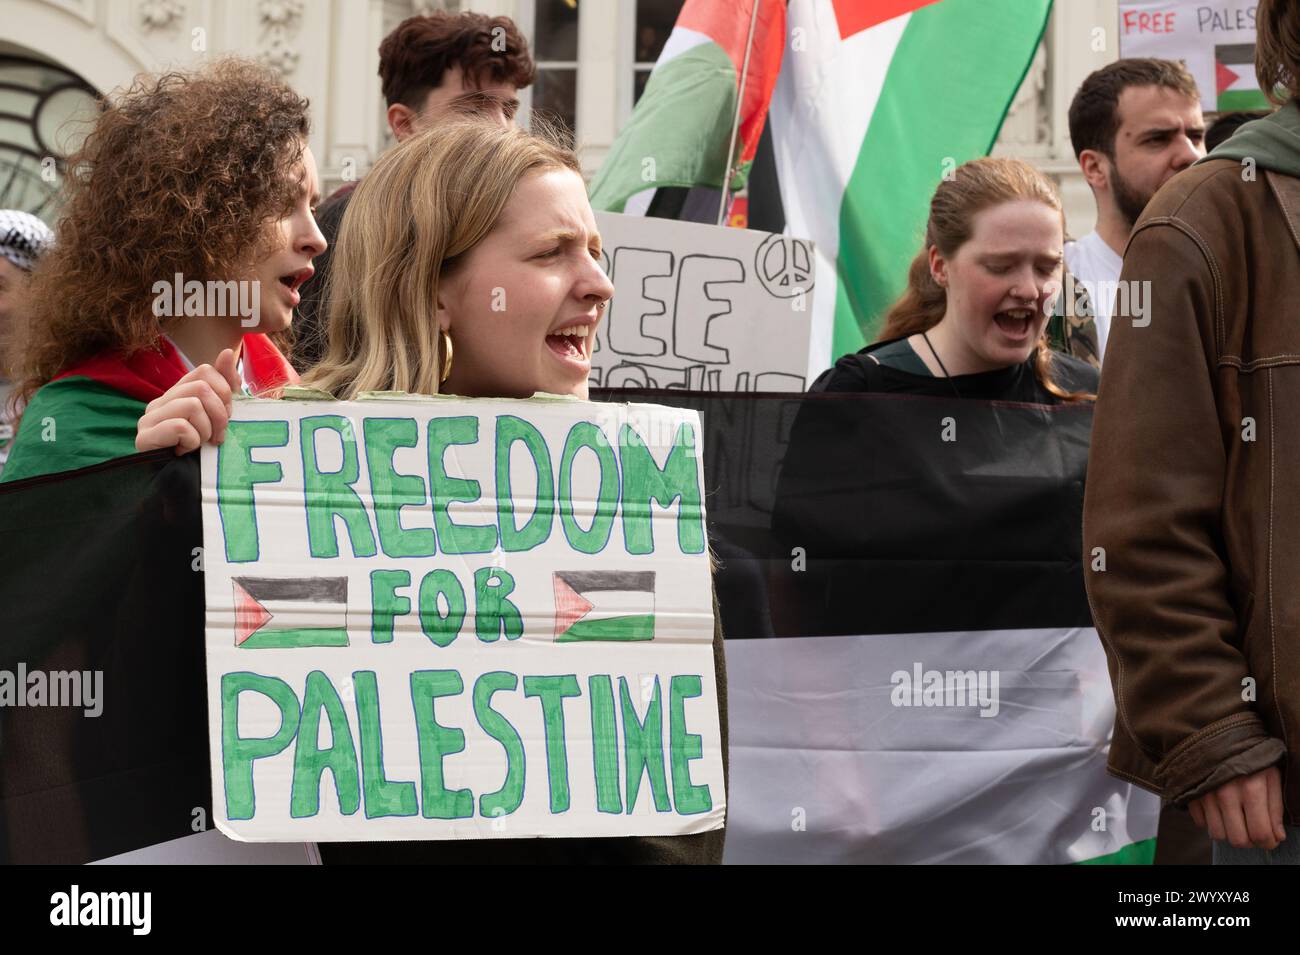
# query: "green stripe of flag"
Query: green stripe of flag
1230,101
631,627
303,637
1135,853
679,133
949,85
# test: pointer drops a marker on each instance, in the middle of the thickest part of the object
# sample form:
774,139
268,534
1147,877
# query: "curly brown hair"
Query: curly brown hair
414,57
180,173
1277,49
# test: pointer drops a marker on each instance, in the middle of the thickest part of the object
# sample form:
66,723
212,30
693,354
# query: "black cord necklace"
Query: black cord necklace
942,367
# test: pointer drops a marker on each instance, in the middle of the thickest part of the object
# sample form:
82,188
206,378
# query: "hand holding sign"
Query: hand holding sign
194,410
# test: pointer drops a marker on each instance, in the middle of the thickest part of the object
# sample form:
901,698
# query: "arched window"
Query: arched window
45,112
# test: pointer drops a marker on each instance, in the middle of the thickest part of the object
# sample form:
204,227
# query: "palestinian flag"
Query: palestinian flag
104,576
1234,78
682,125
913,675
319,602
911,661
603,605
874,101
889,95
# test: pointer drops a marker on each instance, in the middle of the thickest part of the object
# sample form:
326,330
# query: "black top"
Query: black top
901,355
309,332
861,372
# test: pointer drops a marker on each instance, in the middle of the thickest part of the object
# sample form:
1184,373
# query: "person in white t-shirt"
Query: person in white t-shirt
1134,125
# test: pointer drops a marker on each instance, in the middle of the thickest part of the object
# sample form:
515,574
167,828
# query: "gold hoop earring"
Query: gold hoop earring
446,355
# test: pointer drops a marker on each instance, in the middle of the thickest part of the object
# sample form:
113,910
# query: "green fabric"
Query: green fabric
72,423
1135,853
958,64
1272,142
679,132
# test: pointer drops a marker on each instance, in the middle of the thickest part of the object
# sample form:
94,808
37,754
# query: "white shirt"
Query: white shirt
1096,266
189,365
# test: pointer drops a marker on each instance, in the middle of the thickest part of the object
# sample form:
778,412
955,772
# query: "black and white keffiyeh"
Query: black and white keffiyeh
23,238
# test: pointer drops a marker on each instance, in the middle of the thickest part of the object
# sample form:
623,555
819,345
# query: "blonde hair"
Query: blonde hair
977,185
411,221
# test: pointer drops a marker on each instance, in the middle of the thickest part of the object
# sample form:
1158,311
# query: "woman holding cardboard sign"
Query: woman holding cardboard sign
468,264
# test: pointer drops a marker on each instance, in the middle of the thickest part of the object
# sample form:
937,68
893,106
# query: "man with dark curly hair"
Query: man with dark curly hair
432,68
186,233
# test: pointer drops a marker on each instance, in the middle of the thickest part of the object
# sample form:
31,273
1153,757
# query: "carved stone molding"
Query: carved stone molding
425,7
279,18
159,14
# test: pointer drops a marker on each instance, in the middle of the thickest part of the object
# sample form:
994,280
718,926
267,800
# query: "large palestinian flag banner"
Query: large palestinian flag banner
913,672
873,102
103,720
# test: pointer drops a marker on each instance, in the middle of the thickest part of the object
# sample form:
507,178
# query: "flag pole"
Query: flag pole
740,99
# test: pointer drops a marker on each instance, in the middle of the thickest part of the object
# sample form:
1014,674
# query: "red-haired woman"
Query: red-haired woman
187,230
932,505
980,294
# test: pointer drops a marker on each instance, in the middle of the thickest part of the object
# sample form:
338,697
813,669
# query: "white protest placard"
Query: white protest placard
703,308
459,619
1215,40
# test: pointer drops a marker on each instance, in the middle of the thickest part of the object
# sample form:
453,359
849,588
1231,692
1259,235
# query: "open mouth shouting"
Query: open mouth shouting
293,281
1016,324
572,342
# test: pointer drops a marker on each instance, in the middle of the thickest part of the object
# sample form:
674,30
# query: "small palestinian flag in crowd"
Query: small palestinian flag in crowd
1234,76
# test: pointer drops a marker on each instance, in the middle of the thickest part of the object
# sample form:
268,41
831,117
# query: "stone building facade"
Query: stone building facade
593,55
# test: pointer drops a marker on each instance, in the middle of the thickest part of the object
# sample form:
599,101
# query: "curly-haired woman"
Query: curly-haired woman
187,229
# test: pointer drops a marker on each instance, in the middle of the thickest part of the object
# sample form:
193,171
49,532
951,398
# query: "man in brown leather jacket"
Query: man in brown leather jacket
1192,512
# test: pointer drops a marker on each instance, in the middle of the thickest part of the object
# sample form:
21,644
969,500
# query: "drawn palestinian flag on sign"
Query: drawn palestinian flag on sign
604,605
1234,76
320,602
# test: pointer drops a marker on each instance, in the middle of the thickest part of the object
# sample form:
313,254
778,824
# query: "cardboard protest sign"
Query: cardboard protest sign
459,619
1215,40
703,308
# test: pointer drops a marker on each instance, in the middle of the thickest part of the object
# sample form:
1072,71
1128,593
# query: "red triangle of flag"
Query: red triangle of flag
570,606
854,16
1224,76
250,616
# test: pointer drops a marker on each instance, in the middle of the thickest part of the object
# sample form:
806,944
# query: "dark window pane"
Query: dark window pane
555,96
555,30
654,21
638,84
